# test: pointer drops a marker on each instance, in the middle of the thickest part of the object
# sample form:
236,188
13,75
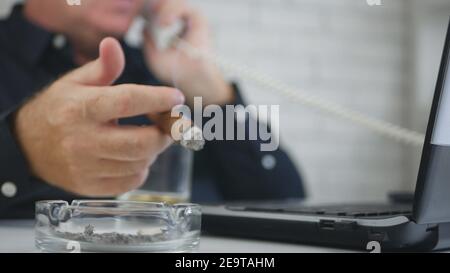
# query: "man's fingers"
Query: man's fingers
170,10
103,71
131,143
113,186
109,168
197,27
120,185
130,100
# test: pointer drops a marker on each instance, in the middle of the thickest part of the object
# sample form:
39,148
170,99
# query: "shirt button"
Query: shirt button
59,41
269,162
9,189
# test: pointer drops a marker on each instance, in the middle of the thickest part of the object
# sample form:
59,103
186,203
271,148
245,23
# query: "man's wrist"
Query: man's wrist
213,90
226,94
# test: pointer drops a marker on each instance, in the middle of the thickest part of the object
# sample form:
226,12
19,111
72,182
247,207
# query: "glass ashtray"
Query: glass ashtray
116,226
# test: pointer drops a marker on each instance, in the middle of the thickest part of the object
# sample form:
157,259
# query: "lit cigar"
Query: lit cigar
182,130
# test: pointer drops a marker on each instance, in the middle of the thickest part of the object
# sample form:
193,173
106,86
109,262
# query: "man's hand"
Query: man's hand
70,136
194,77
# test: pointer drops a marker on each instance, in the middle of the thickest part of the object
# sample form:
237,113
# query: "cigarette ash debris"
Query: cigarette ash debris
112,238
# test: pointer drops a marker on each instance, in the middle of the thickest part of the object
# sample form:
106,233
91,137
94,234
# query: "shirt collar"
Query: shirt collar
29,40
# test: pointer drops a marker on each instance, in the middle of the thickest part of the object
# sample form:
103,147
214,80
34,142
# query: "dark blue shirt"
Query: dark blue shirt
30,60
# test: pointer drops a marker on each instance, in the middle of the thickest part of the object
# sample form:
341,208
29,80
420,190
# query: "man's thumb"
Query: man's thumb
103,71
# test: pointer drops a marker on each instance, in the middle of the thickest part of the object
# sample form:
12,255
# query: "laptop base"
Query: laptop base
393,233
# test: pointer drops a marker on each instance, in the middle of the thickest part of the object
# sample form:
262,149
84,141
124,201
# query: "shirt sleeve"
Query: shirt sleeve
14,174
239,169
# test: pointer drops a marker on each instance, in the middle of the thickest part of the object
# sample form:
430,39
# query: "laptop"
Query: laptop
423,225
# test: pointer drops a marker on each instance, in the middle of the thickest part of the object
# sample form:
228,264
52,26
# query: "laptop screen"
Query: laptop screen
441,129
432,196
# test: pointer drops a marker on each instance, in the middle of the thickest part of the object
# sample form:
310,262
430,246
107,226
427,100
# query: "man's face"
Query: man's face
108,17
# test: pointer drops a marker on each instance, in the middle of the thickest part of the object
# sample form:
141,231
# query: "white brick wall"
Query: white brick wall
344,50
5,6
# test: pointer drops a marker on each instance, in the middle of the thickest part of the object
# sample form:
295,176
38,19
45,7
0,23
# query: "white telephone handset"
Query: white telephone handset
170,36
166,37
163,37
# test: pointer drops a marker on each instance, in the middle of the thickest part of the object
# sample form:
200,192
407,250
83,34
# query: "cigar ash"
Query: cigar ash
192,139
183,131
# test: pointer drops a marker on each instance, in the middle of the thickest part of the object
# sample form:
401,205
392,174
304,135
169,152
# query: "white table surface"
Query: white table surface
18,237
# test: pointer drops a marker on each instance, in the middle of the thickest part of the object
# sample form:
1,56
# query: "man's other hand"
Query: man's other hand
194,76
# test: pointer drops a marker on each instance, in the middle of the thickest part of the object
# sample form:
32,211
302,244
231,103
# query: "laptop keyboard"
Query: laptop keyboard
355,211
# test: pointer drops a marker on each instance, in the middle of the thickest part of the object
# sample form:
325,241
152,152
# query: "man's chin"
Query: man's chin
117,30
118,34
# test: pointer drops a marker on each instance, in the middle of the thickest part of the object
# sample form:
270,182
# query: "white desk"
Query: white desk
18,236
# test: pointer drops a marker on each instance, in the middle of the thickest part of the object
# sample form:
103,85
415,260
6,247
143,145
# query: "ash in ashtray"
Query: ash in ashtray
112,238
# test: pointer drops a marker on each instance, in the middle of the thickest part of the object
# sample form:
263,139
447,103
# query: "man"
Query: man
65,141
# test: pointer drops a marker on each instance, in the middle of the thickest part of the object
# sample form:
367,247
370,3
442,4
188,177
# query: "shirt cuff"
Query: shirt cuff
243,120
14,171
238,99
